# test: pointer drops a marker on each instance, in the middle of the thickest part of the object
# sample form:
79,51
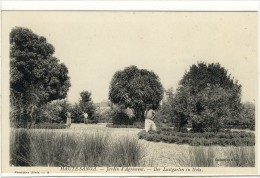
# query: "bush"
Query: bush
49,126
139,125
54,111
121,118
125,126
246,119
196,139
104,115
94,121
76,112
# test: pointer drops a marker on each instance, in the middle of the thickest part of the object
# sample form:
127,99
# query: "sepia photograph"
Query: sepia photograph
130,92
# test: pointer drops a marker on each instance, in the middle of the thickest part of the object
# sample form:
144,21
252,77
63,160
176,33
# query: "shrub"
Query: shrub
104,115
85,105
141,134
49,126
172,139
139,125
76,113
121,118
196,139
95,121
246,119
54,111
120,126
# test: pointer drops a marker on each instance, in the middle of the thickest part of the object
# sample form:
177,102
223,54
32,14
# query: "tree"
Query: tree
208,97
37,77
55,111
168,110
85,105
246,119
135,88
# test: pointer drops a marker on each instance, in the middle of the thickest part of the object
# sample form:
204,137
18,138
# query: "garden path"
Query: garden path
156,154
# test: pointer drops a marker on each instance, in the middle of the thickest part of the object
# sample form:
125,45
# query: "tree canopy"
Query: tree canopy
208,97
37,77
168,111
135,88
86,104
34,69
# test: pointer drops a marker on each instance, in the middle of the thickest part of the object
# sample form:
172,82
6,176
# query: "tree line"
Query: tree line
207,98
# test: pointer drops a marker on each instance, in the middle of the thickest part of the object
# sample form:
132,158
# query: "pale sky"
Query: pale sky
94,45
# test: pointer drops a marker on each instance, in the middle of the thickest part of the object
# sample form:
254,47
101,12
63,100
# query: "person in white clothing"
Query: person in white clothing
68,122
149,117
85,115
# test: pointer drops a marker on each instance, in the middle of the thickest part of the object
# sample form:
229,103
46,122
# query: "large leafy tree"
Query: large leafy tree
208,97
135,88
37,77
168,110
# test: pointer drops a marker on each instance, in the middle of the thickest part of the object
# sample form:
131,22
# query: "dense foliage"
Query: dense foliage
85,105
246,120
37,77
167,113
54,112
207,97
135,88
48,126
139,125
204,139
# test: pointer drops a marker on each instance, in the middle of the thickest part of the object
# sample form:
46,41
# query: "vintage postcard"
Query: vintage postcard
129,93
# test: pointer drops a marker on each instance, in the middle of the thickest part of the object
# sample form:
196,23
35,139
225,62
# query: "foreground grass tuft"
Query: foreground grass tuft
52,148
197,156
241,156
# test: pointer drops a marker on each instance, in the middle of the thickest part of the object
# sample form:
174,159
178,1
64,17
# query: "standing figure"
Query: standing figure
85,115
149,117
68,122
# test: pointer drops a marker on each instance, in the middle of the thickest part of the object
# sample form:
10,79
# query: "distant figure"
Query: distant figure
68,122
130,112
149,117
85,115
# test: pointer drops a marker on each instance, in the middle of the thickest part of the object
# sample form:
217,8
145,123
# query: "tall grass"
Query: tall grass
204,156
126,152
19,148
242,156
197,156
53,148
